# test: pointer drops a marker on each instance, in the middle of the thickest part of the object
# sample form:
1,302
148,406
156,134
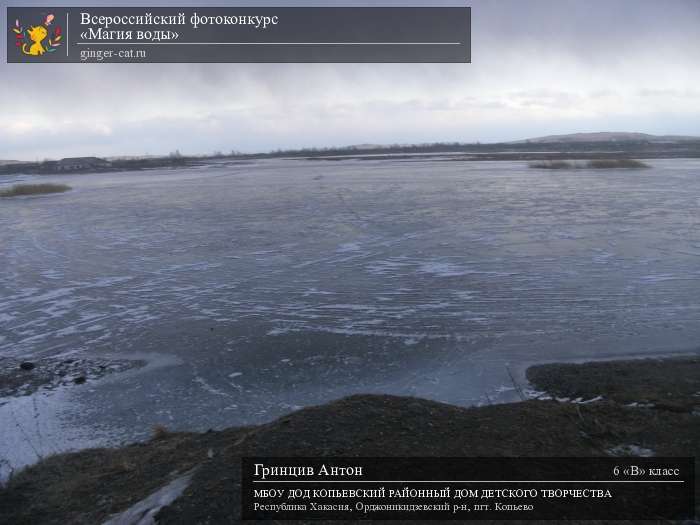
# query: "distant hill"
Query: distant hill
607,136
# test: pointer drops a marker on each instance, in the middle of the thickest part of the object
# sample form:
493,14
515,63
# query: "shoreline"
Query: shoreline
664,421
469,153
520,371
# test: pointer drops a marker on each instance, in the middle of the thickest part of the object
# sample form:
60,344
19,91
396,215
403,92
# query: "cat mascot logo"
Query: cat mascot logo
32,41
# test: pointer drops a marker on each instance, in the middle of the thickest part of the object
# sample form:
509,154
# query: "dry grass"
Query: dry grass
160,431
33,189
552,165
615,163
87,487
670,384
600,164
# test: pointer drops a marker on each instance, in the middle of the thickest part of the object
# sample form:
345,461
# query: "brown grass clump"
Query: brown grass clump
33,189
160,431
615,163
599,164
552,165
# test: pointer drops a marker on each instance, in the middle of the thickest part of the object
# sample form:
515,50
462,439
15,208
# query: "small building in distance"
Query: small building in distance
81,164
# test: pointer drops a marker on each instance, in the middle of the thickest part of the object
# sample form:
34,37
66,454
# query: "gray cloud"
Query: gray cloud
539,67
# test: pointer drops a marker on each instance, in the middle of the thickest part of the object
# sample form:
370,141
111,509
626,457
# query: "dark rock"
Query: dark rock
79,380
26,365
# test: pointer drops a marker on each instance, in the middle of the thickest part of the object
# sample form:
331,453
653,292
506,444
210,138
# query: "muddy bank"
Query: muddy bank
664,384
92,485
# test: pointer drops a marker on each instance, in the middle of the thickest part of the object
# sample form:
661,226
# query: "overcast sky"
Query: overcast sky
539,67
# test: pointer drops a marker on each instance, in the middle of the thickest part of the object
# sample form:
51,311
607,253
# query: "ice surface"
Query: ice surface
313,280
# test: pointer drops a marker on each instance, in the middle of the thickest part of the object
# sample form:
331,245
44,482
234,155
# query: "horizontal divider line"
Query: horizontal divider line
270,43
472,481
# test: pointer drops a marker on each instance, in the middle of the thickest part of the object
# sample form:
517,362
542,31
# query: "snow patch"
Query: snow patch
144,512
631,450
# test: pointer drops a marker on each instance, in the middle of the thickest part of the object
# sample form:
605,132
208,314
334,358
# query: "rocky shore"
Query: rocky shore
20,378
641,407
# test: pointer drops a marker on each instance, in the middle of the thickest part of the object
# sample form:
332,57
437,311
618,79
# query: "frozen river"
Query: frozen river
253,289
